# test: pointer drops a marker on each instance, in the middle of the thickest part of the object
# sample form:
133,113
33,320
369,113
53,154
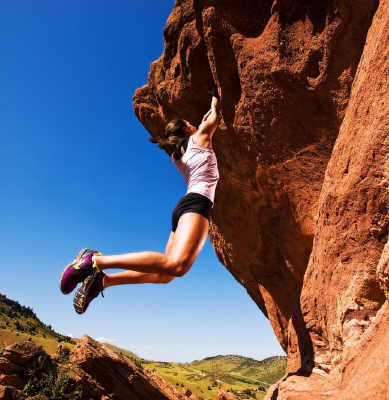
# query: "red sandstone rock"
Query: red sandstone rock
9,367
22,353
305,166
12,380
16,362
117,374
344,299
11,393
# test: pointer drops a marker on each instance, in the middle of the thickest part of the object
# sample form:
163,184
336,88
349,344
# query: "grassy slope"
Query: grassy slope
234,373
19,323
268,370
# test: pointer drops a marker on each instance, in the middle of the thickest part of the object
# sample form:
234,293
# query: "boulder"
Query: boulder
117,374
8,367
12,380
11,393
22,353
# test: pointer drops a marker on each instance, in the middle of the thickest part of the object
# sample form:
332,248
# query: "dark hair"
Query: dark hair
173,138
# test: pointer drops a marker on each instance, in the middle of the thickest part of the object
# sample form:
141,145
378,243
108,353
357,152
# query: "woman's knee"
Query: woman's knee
165,278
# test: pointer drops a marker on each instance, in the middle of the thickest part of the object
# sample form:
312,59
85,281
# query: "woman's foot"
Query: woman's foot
79,269
92,286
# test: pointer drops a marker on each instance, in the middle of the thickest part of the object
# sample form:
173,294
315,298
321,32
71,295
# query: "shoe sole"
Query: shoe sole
76,260
79,300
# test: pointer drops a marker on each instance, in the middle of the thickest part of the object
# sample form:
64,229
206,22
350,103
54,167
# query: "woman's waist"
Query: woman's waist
202,179
207,191
202,187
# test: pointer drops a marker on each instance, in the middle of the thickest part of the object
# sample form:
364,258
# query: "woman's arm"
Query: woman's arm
208,125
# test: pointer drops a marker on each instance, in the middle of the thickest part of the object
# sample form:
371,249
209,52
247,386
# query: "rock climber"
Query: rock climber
190,149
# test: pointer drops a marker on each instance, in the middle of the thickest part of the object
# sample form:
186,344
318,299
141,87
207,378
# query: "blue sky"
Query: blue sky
77,170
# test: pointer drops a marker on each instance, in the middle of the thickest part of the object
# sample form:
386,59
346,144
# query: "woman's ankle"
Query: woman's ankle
96,259
106,281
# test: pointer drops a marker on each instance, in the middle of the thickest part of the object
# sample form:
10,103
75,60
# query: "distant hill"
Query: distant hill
18,323
269,370
244,376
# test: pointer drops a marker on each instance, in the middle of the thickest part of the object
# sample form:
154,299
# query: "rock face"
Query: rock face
91,371
301,209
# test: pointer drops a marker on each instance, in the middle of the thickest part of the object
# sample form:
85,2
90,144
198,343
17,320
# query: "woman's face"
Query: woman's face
190,129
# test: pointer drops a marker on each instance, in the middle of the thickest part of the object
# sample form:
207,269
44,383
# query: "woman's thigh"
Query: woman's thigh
189,238
169,244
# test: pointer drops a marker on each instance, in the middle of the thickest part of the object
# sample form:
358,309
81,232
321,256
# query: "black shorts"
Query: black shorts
191,202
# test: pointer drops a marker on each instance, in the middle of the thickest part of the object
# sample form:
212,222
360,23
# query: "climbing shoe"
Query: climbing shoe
92,286
79,269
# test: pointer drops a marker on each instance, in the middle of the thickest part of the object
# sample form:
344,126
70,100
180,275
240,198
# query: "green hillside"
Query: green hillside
268,370
243,376
19,323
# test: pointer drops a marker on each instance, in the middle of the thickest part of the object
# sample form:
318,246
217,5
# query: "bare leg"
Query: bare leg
181,251
169,244
131,277
144,261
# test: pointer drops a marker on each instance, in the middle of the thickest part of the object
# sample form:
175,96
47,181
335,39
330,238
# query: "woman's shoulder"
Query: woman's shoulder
201,141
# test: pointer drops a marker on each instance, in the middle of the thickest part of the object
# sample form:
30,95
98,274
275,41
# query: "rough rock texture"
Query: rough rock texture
11,393
16,365
119,376
301,209
16,362
93,370
345,291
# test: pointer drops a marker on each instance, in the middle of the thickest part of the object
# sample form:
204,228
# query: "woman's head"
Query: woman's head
175,129
176,132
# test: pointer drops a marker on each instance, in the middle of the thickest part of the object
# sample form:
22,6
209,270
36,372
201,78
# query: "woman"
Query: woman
191,151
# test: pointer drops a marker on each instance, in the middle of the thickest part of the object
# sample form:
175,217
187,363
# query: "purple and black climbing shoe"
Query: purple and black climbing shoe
92,286
78,270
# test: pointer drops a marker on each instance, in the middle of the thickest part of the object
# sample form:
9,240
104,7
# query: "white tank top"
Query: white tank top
198,166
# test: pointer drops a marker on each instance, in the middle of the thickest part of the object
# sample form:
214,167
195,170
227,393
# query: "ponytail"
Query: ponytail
173,138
